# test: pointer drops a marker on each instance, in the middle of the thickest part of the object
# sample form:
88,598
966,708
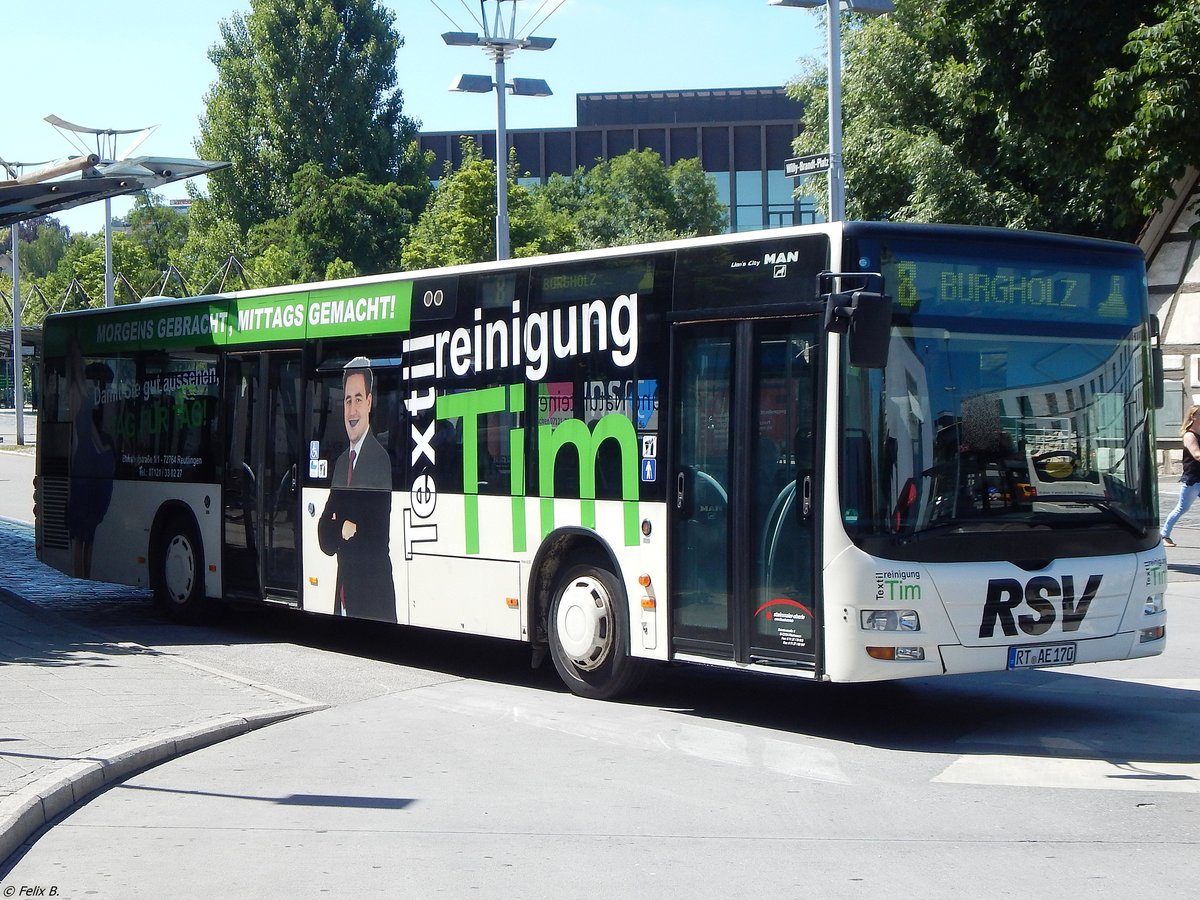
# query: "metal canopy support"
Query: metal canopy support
18,374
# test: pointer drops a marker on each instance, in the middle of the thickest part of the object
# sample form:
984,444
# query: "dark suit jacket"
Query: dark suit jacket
364,587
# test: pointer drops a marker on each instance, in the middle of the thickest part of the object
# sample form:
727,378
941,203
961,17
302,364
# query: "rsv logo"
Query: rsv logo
1004,595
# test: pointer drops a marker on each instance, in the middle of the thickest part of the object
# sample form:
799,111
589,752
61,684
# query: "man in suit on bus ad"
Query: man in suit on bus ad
355,525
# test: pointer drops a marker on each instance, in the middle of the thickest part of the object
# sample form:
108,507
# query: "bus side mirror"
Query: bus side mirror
869,329
1160,390
865,316
1156,367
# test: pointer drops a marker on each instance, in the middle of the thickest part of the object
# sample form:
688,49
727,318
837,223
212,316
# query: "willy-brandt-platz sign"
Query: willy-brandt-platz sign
806,165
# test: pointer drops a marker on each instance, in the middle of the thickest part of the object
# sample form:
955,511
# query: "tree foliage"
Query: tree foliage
212,240
1157,90
632,198
158,228
43,243
982,112
308,86
350,219
459,224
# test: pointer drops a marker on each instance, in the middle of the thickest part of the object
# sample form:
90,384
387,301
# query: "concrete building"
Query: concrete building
740,135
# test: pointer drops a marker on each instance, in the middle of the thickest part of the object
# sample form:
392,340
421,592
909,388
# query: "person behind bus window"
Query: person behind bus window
1191,471
355,525
92,461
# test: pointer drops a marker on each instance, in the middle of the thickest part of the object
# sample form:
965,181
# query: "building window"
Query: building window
749,201
722,180
781,208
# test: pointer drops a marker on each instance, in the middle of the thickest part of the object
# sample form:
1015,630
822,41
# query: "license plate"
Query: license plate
1043,655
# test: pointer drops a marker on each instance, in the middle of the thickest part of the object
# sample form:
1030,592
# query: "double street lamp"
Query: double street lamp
499,42
837,173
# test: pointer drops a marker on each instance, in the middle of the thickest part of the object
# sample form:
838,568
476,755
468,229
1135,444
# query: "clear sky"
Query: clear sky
134,63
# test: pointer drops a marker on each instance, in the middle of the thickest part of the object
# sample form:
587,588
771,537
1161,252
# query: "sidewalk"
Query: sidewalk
8,426
79,711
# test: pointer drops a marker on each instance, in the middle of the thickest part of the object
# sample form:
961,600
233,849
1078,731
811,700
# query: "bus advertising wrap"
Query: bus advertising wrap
277,318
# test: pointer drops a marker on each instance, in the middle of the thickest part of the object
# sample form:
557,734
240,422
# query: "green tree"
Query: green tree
459,224
980,112
43,243
634,198
210,243
83,263
159,229
274,265
1156,90
351,219
303,82
630,199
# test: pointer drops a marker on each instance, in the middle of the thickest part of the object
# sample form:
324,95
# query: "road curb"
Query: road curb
24,812
33,610
31,807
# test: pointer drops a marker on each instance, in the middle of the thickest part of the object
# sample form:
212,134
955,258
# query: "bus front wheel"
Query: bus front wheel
589,634
179,571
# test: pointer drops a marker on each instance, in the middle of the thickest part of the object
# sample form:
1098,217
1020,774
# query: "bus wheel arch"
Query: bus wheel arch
582,614
177,564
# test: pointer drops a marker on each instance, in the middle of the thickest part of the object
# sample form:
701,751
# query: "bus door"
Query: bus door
263,394
744,520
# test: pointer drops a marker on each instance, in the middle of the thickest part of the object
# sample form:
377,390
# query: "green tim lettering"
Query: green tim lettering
516,452
551,440
470,405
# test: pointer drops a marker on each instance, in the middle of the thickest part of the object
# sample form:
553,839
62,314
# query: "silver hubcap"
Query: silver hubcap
179,569
584,623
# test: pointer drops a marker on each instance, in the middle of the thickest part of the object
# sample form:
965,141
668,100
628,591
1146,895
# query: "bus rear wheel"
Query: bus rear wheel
179,572
589,634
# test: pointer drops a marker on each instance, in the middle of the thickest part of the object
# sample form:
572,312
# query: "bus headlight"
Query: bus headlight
890,620
1154,604
896,653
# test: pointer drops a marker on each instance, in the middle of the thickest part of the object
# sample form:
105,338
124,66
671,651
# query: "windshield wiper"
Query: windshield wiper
974,526
1098,503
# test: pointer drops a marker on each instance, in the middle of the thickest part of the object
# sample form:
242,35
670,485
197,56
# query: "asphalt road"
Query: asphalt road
707,786
447,767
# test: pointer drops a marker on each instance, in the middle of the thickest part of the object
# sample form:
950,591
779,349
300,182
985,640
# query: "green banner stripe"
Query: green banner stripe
339,311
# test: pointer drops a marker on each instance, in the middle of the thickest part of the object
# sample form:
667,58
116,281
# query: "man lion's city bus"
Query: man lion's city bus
845,452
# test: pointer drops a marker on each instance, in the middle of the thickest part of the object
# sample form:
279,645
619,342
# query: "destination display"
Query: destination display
923,285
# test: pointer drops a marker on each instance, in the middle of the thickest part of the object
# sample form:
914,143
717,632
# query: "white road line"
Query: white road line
1087,774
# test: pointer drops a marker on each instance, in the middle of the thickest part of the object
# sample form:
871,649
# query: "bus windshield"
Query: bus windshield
1015,399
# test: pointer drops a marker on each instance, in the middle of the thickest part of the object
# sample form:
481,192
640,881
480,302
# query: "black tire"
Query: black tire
588,626
179,571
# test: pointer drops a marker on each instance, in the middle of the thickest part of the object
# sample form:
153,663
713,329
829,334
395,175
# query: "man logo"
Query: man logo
1005,594
791,256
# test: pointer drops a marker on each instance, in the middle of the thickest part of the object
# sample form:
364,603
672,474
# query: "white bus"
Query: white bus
845,452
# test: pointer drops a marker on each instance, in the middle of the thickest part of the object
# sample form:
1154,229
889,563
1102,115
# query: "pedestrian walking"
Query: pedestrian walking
1191,471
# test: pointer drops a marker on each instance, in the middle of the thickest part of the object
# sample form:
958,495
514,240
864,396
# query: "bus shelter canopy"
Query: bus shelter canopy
19,201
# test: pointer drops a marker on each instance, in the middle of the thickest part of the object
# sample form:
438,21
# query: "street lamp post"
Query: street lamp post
837,173
499,42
